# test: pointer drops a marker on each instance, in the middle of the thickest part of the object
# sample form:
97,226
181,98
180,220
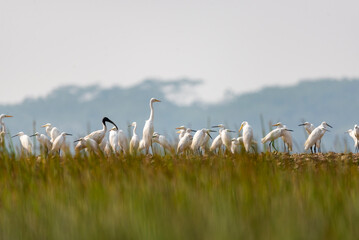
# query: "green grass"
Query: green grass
264,196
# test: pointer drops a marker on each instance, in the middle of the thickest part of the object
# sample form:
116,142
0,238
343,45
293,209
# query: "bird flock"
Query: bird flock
189,141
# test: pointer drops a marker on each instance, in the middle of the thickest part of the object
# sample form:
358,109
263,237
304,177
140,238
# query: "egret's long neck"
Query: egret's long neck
134,129
48,130
151,115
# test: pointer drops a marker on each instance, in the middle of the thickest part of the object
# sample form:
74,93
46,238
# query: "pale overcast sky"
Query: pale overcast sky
237,45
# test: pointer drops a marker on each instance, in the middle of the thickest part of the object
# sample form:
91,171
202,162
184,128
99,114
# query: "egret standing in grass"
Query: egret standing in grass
320,131
235,145
316,136
355,139
25,142
135,140
45,143
52,132
88,143
309,129
247,135
207,136
2,124
60,143
113,139
217,142
123,142
286,136
225,136
161,140
182,131
273,135
148,129
185,141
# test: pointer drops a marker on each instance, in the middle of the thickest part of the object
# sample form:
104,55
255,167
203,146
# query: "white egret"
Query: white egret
234,146
52,132
123,141
87,143
204,145
308,127
25,142
225,136
45,143
317,144
314,137
135,140
185,141
238,141
217,142
273,135
148,129
113,139
99,135
182,131
200,139
161,139
355,139
60,142
356,131
286,136
2,124
247,135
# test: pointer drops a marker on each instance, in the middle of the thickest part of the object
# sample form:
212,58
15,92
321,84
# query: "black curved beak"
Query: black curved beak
290,130
78,140
231,131
301,124
210,136
106,119
329,125
68,134
192,130
33,135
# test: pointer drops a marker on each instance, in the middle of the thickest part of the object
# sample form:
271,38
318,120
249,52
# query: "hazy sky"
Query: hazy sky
237,45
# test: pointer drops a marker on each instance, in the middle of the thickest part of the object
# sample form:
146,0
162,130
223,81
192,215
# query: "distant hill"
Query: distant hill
80,109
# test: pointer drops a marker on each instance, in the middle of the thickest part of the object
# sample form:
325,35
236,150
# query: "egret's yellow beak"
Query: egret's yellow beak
156,100
240,128
44,125
275,125
8,116
178,132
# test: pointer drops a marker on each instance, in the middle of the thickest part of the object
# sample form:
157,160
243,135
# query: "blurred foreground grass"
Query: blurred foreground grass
264,196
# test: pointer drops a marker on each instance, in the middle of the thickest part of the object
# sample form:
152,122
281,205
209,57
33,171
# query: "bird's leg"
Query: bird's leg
284,146
270,150
274,147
